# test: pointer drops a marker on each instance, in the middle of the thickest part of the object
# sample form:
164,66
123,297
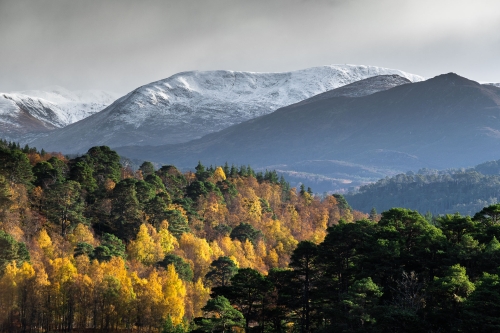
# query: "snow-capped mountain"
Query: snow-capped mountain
493,84
26,114
191,104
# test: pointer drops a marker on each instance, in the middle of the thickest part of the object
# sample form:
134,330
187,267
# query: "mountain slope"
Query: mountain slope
27,114
438,192
447,121
191,104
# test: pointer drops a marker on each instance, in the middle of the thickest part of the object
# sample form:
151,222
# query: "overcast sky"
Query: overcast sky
120,45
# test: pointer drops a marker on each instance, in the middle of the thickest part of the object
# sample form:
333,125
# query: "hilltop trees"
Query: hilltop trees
90,244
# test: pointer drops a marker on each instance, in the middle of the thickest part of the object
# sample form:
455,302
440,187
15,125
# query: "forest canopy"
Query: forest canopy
136,246
89,244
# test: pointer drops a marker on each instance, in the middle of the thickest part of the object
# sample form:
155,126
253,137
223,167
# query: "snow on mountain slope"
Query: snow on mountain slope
361,88
189,105
29,113
494,84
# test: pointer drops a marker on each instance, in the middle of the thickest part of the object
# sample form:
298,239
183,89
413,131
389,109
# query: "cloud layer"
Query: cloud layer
118,45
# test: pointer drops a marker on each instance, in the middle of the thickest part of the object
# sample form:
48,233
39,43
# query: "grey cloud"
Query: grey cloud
118,45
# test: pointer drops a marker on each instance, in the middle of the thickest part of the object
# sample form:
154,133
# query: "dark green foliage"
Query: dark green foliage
201,173
155,182
245,231
447,295
302,189
445,192
174,181
489,215
303,263
111,246
342,202
60,166
177,223
359,304
82,172
223,230
105,163
84,249
401,274
50,172
156,209
221,272
196,189
147,169
5,196
65,205
266,208
11,250
45,174
125,213
181,267
227,189
15,166
144,191
94,168
271,176
247,293
220,316
482,308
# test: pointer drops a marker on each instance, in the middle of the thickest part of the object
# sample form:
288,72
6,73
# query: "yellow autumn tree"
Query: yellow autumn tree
82,234
174,292
197,251
144,248
197,296
218,175
45,243
166,240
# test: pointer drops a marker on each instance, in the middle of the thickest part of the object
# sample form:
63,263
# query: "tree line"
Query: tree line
87,243
439,192
400,274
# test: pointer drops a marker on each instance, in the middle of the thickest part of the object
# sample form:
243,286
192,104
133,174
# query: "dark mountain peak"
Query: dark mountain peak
453,79
361,88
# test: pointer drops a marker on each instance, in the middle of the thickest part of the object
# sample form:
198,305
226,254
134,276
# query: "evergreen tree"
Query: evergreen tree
147,169
182,268
373,215
221,272
11,250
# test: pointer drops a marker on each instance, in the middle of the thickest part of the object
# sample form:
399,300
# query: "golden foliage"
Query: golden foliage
144,248
82,234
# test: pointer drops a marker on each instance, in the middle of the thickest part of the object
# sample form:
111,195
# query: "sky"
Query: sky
119,45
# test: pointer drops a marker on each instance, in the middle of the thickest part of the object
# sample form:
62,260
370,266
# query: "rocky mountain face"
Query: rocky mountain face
447,121
189,105
26,115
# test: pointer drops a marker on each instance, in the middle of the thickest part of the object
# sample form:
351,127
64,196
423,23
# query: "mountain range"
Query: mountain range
447,121
26,115
189,105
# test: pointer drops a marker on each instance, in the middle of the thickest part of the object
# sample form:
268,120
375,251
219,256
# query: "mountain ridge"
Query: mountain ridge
188,105
446,121
27,114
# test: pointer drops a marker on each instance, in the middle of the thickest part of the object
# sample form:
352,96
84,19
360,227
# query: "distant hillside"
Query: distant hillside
441,192
25,115
188,105
444,122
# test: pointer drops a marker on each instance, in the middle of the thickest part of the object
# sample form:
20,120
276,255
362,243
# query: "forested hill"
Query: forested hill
437,123
87,245
465,191
137,245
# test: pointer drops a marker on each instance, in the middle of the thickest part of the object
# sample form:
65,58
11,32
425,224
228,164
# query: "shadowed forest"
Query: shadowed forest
90,245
